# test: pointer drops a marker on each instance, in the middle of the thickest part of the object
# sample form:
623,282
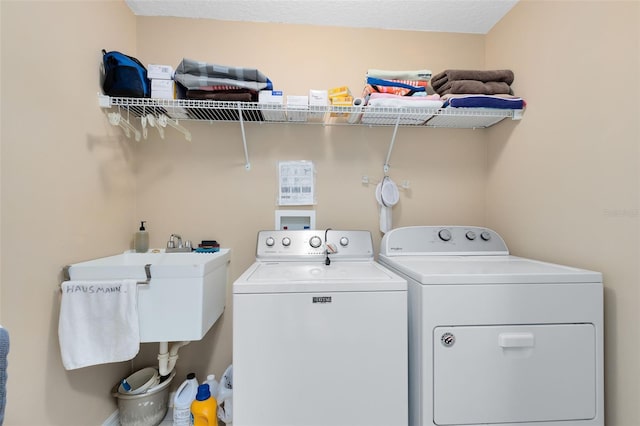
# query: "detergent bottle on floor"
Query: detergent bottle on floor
204,408
185,395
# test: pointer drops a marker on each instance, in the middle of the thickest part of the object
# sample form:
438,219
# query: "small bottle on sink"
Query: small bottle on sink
141,239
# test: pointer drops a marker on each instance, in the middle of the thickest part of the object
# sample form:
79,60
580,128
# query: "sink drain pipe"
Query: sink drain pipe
167,357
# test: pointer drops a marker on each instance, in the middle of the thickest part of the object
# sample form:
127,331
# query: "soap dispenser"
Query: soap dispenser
141,239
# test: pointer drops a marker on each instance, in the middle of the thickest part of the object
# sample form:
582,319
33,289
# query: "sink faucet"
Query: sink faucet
172,242
180,247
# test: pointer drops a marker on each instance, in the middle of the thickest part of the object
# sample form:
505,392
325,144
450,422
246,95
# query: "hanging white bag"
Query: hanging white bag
225,396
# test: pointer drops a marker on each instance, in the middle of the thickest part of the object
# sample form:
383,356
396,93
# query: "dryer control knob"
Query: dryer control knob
270,242
286,241
485,235
444,234
470,235
344,241
315,241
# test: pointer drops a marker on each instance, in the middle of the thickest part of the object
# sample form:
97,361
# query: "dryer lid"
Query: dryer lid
486,270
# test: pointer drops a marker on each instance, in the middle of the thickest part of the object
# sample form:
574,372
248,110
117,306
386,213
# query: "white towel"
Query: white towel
98,322
423,75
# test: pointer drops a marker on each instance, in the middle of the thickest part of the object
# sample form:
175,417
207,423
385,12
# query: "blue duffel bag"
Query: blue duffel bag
124,76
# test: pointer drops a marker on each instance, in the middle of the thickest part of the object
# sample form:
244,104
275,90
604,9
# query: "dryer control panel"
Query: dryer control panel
308,244
442,240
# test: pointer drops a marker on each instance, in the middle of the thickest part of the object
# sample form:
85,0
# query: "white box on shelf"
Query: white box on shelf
318,102
273,109
163,89
297,108
159,72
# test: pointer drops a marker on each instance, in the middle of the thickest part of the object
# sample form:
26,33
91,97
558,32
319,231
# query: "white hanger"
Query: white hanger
143,121
152,122
116,120
163,120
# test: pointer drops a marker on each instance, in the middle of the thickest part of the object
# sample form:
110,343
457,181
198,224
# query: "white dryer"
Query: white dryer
317,342
496,339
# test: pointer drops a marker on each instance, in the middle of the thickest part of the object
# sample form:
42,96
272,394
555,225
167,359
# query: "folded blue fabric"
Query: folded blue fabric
485,101
381,82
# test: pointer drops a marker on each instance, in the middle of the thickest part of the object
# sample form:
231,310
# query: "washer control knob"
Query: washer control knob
315,241
344,241
270,241
485,235
471,235
444,234
286,241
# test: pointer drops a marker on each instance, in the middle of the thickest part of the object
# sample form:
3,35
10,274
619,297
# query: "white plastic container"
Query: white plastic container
185,395
213,385
140,381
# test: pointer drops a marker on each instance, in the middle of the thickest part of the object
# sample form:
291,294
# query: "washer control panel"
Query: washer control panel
442,240
308,243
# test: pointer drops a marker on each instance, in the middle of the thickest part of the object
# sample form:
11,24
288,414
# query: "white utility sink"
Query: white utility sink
184,297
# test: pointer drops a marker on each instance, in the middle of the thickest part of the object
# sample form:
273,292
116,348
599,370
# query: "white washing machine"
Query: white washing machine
317,342
496,339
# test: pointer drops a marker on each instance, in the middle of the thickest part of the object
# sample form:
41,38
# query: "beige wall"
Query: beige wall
75,187
67,195
564,185
201,189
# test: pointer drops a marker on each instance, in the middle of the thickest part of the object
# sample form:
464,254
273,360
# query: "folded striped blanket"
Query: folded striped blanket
197,74
395,87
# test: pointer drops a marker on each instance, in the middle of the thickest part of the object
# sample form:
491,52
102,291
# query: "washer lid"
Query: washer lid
485,270
293,277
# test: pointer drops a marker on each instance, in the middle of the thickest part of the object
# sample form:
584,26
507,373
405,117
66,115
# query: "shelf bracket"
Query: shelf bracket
393,141
104,101
247,164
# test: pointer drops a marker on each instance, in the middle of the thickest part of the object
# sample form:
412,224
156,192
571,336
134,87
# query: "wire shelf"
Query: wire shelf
223,111
160,113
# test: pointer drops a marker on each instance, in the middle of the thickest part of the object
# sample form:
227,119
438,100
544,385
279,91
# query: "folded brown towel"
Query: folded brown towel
503,76
219,96
474,87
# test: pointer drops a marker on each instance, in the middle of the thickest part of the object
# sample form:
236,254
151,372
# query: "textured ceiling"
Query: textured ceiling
457,16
